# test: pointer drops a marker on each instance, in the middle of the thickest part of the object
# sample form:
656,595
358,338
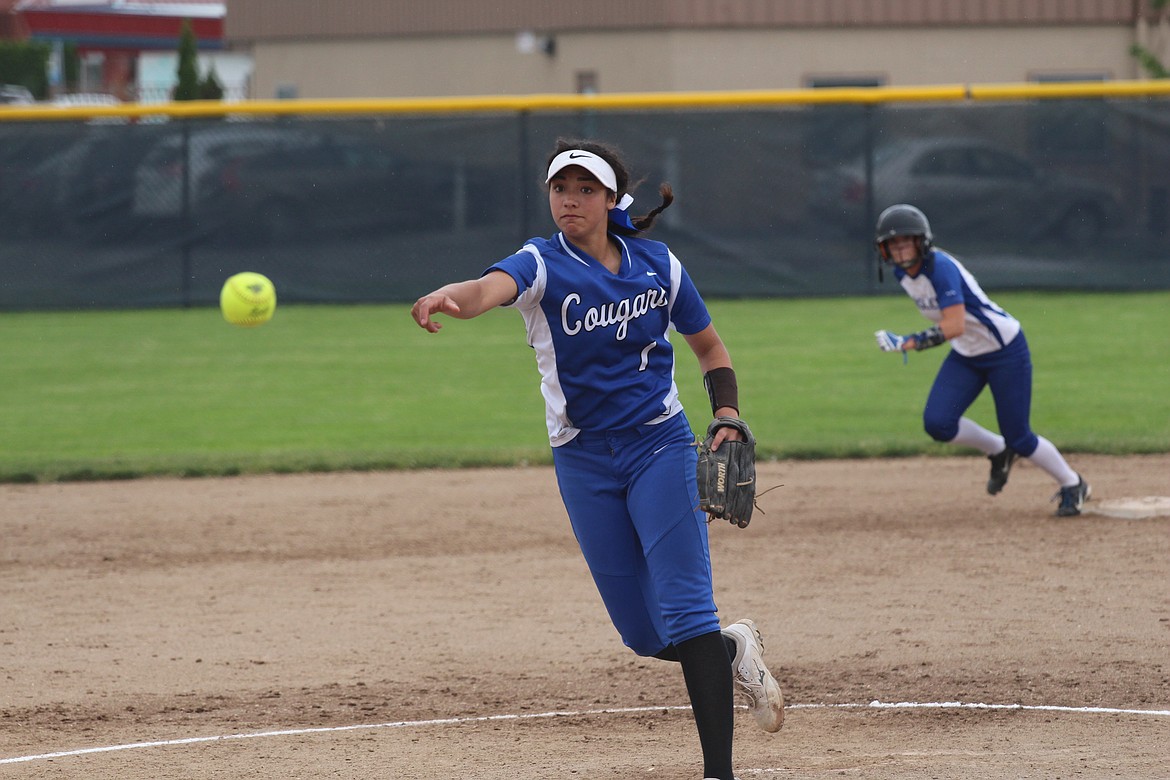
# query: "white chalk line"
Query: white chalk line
399,724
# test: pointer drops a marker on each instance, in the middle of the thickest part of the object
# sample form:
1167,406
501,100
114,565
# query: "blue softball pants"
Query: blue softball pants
633,503
960,380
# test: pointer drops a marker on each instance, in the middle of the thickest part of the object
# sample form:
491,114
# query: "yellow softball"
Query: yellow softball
248,299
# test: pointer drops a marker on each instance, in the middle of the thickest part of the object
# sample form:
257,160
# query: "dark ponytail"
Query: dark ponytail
646,222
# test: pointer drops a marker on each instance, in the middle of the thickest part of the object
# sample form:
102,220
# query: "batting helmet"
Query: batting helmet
902,219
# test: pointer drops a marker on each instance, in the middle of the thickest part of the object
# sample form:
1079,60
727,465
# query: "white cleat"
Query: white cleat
752,677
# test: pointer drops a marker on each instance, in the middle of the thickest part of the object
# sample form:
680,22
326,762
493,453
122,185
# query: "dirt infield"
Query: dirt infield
331,626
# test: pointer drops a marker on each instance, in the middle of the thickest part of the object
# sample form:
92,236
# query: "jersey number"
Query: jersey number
646,355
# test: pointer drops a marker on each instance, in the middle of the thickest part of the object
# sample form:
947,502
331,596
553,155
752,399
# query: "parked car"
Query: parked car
23,156
15,95
968,186
158,179
342,183
83,189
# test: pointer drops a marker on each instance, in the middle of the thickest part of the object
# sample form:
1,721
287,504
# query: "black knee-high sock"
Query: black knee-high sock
670,652
707,673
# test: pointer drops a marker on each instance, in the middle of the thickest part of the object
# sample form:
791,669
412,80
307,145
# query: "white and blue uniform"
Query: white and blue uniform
622,446
992,352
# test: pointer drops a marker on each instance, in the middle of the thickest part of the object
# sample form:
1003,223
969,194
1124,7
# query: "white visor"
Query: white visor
587,160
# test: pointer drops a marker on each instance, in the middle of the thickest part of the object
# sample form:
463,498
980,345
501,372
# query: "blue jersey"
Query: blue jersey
602,339
943,281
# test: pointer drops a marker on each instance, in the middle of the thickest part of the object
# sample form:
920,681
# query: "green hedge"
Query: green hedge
26,63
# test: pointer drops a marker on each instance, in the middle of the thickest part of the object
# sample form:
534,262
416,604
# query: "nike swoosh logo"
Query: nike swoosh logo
575,156
651,273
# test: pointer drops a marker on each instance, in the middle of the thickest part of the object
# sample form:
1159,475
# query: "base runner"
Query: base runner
988,349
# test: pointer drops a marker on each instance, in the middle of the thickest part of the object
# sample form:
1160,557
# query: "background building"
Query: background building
777,199
390,48
127,48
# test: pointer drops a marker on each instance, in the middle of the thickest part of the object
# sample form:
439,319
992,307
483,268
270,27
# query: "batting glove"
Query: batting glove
889,342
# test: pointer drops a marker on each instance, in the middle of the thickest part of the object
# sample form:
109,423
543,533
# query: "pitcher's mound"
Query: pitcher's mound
1131,508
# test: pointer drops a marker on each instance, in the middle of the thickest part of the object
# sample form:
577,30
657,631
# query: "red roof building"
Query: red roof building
111,35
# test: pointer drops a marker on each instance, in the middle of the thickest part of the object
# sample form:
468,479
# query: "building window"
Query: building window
823,82
587,82
93,77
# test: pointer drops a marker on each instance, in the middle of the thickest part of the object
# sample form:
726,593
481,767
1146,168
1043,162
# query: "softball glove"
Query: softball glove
727,476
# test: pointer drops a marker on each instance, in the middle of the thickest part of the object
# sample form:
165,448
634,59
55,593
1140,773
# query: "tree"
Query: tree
1149,58
71,66
26,63
211,88
188,70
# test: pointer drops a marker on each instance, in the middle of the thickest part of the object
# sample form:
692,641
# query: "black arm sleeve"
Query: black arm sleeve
931,337
722,389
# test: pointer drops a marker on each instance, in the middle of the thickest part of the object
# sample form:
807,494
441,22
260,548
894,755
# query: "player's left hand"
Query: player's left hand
889,342
726,475
725,432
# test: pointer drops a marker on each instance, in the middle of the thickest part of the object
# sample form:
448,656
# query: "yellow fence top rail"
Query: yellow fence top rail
742,99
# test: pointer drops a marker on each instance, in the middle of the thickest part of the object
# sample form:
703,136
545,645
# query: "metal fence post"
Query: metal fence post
523,143
185,218
870,216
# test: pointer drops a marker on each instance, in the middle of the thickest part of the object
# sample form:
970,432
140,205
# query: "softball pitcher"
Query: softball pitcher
988,349
599,302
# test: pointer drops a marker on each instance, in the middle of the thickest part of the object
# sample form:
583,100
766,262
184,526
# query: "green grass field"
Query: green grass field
93,395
